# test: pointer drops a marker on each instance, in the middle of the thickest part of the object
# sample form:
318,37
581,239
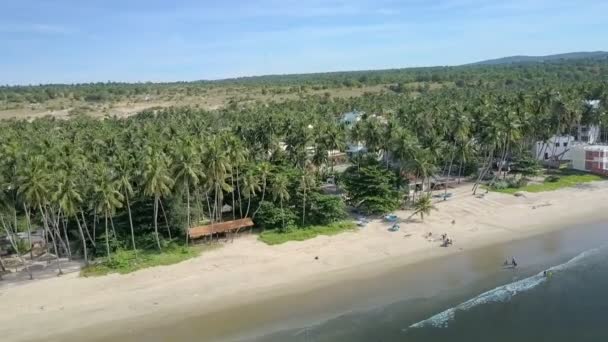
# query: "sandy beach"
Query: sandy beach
247,270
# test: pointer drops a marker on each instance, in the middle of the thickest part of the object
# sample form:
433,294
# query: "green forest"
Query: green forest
99,187
473,76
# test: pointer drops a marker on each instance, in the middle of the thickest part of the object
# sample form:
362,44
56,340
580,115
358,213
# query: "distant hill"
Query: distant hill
542,59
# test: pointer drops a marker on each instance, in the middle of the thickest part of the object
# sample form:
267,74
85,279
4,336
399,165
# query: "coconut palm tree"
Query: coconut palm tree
237,155
107,197
251,185
187,171
124,170
157,182
279,190
33,188
216,166
307,182
69,200
264,170
422,165
7,206
423,206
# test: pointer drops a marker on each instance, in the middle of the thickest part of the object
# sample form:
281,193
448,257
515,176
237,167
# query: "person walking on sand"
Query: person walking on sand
513,262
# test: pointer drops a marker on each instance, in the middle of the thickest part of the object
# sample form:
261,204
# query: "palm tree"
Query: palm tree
157,182
403,145
2,268
187,170
5,205
422,165
423,206
237,156
107,197
328,137
69,199
216,170
33,189
307,182
490,140
125,179
264,169
251,185
279,190
297,139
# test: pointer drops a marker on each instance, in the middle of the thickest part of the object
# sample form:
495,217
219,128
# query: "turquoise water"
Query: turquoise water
510,305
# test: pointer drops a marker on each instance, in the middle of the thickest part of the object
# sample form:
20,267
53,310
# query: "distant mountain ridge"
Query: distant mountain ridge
542,59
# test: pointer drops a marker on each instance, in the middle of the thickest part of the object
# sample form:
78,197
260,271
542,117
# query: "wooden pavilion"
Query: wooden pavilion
221,227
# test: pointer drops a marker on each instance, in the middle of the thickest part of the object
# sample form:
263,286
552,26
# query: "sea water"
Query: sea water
567,303
563,301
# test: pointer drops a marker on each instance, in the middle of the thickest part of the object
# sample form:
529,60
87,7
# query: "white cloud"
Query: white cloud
35,28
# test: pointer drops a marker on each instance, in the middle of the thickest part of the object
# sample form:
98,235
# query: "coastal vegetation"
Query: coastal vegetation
554,181
112,98
272,237
126,188
127,261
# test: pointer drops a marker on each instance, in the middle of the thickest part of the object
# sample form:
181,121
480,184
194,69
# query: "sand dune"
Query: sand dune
247,269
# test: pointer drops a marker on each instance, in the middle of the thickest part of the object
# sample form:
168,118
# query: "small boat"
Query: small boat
391,218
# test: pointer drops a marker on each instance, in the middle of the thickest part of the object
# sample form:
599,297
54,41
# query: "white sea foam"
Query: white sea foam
500,294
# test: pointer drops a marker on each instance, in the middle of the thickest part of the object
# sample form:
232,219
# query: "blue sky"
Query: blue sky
68,41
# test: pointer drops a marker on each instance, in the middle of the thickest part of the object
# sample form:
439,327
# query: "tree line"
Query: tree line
95,186
519,75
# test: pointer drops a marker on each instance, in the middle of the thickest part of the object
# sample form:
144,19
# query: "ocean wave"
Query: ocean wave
500,294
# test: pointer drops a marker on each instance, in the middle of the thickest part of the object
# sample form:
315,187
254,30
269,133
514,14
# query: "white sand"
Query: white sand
248,268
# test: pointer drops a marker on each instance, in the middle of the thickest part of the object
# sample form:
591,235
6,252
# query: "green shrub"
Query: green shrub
515,183
371,187
563,182
127,261
526,164
499,185
270,216
274,237
21,244
325,209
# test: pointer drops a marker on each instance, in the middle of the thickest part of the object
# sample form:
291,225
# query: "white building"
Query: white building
556,146
590,158
354,148
350,119
588,134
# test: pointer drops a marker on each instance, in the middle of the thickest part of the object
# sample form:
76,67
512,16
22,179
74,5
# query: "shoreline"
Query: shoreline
248,272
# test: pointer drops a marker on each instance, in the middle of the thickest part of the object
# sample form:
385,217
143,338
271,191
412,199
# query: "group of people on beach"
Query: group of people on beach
513,263
445,241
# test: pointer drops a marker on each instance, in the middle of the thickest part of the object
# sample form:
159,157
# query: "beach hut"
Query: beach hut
234,226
